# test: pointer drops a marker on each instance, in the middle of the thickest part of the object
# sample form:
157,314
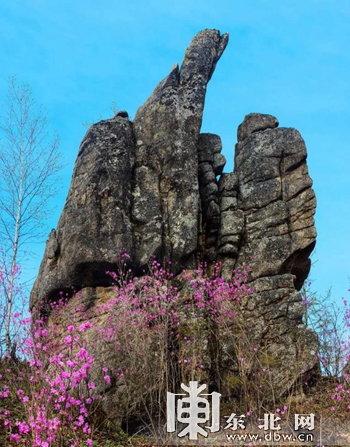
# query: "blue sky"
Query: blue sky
287,58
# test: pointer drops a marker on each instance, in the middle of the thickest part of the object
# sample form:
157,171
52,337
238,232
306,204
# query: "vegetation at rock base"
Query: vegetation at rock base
155,332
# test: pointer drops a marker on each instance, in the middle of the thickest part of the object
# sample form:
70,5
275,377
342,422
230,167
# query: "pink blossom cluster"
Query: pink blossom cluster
52,393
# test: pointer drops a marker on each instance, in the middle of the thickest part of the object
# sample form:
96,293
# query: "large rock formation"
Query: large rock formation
155,186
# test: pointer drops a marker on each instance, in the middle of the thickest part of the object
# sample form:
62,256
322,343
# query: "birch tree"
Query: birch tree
29,163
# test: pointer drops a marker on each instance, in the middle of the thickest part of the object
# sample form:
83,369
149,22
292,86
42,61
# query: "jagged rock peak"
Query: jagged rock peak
122,113
255,122
128,188
156,186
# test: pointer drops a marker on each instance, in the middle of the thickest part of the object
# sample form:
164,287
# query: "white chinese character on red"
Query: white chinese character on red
235,422
270,421
304,421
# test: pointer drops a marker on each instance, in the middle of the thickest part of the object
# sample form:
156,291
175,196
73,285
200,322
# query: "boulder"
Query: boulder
155,186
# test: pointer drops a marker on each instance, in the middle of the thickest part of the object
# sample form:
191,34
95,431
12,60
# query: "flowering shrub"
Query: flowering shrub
113,355
160,331
50,393
331,322
152,333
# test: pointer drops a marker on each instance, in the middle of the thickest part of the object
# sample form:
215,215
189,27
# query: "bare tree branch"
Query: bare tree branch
29,163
